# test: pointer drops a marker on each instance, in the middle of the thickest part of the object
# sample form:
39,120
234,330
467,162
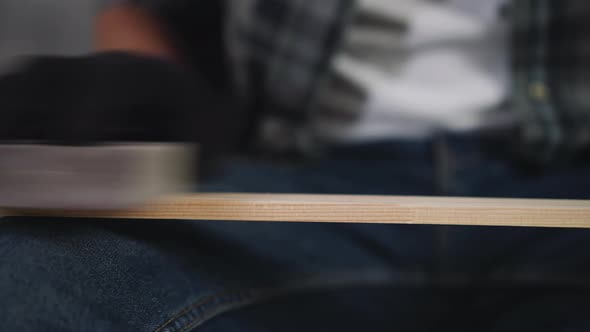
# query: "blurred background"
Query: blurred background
421,118
380,91
47,27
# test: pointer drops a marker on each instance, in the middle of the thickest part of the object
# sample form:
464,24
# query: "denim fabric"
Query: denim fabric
124,275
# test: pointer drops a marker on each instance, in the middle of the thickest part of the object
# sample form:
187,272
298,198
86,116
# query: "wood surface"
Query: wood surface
351,209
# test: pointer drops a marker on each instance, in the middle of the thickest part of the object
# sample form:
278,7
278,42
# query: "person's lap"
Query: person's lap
144,275
137,275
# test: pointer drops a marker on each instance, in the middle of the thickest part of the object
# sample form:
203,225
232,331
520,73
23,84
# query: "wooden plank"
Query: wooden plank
352,209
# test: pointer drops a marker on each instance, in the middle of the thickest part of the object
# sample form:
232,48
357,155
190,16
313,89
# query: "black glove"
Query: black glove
113,97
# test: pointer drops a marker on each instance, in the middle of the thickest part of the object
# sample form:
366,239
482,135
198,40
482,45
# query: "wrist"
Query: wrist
132,29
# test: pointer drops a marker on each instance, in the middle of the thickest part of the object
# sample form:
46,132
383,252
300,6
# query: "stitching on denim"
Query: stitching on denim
221,309
244,295
228,300
187,309
240,298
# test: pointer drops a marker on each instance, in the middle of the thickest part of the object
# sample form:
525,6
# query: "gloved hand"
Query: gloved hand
79,106
112,97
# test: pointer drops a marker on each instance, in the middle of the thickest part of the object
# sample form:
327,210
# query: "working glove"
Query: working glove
111,97
80,109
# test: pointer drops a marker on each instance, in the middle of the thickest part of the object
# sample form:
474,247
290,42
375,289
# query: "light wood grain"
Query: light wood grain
353,209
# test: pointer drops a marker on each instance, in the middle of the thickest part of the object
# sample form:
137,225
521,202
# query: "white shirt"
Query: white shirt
422,67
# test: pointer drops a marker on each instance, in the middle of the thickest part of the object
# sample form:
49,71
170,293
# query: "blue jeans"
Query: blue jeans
120,275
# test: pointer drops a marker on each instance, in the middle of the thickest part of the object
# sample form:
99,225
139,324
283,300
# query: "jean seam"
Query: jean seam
226,300
235,299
